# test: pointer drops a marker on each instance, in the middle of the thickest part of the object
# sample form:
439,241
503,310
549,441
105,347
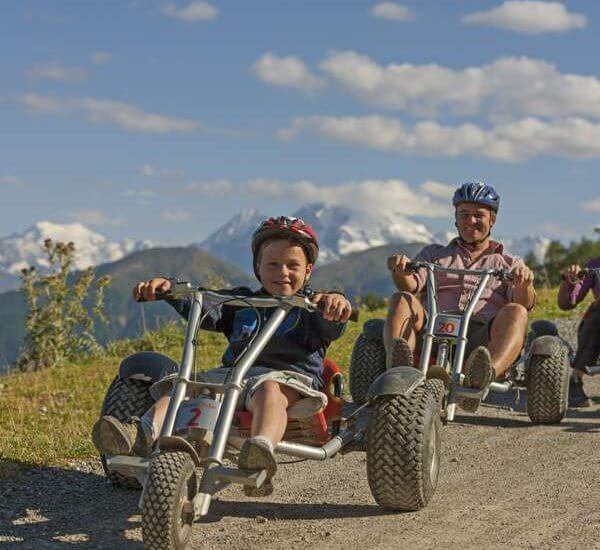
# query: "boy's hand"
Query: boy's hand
335,307
148,289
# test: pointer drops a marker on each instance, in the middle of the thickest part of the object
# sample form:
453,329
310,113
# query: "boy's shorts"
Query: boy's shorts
311,401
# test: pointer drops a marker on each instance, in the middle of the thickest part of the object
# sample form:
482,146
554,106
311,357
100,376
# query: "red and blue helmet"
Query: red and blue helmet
479,193
283,227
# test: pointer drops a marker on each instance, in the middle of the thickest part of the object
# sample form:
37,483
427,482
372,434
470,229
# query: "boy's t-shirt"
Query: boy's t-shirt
298,345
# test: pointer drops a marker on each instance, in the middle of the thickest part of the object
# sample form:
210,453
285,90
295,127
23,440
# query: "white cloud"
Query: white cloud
528,17
212,188
195,11
593,205
512,141
175,216
139,193
100,58
437,189
287,71
151,171
92,216
367,195
390,10
11,180
506,86
123,115
55,70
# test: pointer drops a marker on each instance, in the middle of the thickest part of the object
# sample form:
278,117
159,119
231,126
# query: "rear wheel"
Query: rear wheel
168,510
548,387
404,447
125,398
367,361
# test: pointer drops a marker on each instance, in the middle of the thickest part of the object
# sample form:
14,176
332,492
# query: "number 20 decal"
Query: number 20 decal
197,412
447,328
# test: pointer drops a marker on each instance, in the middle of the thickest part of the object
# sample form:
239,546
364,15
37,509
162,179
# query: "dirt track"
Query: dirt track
503,483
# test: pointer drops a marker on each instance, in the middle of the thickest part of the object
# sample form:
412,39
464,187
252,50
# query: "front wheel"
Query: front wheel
168,509
404,447
367,361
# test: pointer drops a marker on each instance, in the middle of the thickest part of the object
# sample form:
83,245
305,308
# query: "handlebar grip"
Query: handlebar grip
583,273
157,297
354,316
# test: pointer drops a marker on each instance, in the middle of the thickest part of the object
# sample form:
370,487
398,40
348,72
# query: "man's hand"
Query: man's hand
571,275
397,264
522,277
148,289
335,307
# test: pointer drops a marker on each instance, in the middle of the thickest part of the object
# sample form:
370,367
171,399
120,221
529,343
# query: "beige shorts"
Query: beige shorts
311,401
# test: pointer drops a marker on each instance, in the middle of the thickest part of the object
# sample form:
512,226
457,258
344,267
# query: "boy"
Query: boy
287,374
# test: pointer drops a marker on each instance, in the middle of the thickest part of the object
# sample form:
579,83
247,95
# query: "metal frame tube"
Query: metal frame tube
187,364
432,302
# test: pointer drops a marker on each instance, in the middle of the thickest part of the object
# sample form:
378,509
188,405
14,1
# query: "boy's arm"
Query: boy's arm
330,321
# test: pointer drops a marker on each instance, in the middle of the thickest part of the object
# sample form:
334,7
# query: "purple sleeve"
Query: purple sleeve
582,287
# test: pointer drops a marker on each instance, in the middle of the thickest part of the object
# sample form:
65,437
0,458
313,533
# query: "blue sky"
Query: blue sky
162,120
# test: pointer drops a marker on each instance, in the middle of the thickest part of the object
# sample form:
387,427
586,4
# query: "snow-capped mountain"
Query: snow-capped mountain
517,246
341,231
21,250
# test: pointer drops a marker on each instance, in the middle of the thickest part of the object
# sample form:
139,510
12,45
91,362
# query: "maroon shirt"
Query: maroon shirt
454,290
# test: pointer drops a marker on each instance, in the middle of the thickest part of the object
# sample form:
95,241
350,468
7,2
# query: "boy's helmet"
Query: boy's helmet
284,226
477,192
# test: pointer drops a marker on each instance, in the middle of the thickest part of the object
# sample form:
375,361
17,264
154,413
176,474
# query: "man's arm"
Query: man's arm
522,287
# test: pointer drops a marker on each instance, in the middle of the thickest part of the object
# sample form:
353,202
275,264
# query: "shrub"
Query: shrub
59,326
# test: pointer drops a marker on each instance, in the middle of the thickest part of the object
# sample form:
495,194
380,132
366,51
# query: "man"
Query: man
499,323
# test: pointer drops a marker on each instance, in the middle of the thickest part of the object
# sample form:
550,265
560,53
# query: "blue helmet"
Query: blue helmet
477,192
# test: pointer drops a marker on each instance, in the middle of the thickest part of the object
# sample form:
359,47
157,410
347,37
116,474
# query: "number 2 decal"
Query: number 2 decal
197,411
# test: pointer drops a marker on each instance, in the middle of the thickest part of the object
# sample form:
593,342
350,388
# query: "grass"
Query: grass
46,417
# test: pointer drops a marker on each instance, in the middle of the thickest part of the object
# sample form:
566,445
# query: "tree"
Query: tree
61,310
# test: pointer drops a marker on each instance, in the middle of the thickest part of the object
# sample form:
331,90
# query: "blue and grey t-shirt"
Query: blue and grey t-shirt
299,344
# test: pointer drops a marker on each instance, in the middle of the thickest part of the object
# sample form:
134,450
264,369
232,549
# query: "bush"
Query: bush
59,326
373,302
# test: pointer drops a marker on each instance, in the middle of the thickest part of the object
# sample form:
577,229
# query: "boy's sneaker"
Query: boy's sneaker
113,437
577,396
257,454
479,374
401,354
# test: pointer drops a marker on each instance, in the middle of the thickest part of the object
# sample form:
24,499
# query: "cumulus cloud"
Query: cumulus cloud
151,171
367,195
195,11
390,10
55,70
512,141
117,113
506,86
139,193
528,17
100,58
437,189
593,205
287,71
94,216
11,180
175,216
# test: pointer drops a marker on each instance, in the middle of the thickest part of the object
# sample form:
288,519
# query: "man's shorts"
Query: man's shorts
478,334
311,401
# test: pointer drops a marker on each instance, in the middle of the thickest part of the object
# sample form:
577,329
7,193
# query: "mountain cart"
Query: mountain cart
421,399
195,456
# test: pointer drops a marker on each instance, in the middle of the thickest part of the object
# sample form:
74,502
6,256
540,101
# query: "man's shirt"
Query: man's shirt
454,291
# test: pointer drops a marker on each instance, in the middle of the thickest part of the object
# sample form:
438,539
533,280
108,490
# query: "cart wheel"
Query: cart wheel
168,510
125,398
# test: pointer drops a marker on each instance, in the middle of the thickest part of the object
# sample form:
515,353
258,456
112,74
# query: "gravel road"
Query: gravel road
503,482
